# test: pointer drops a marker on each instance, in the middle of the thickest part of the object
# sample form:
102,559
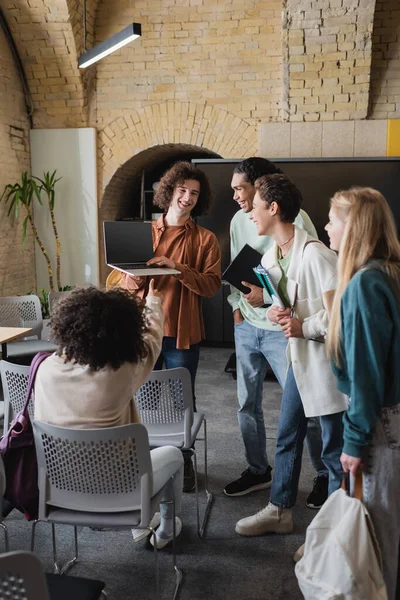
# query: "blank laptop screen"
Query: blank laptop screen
127,241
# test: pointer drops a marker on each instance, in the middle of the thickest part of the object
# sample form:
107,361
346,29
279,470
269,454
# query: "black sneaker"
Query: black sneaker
249,482
319,492
188,475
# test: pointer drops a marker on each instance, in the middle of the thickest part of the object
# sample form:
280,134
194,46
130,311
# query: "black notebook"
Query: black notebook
241,269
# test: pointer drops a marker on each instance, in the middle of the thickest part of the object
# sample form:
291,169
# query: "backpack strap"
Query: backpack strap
36,362
292,308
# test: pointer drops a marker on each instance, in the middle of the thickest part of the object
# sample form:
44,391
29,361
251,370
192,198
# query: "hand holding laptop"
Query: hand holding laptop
161,261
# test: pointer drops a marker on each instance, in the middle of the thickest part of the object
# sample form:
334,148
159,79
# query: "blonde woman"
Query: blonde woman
364,344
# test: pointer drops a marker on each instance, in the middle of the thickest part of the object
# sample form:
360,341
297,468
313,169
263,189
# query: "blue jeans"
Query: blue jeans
314,446
381,482
174,358
292,429
254,347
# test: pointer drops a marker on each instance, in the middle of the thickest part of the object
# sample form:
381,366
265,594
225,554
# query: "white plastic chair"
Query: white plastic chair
24,311
97,478
165,404
22,577
14,379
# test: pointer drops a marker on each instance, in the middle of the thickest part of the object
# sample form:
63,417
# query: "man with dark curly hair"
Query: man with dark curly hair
179,243
258,341
107,346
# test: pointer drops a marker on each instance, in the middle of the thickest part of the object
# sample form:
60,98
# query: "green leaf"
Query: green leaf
36,191
24,224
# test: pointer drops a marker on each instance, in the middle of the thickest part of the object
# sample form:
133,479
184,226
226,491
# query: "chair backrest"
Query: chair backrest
165,404
94,470
14,379
22,311
55,297
22,577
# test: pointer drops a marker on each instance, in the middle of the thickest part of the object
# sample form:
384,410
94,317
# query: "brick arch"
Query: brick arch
190,123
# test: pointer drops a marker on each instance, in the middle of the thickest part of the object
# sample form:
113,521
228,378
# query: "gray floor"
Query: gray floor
222,566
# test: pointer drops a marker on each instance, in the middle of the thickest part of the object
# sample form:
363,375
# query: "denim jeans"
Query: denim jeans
381,485
292,429
314,446
254,347
174,358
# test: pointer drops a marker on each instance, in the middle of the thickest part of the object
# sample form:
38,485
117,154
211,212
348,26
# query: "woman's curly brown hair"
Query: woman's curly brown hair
176,175
99,327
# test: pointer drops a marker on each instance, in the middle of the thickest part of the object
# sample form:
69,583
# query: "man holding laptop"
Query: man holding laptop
193,253
258,341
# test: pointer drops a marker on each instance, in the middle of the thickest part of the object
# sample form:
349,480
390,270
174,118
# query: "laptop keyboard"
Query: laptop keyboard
140,265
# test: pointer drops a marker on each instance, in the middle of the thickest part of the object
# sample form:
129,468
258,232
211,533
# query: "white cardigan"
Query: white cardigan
312,270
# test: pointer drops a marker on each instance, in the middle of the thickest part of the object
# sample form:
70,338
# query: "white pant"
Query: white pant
166,462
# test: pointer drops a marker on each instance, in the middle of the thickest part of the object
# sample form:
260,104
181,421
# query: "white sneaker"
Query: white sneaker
141,534
161,541
298,555
271,519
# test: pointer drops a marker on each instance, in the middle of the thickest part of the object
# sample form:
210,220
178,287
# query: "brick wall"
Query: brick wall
275,61
211,74
327,48
222,52
17,269
385,76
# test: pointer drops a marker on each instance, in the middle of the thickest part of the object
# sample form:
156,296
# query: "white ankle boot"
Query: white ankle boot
271,519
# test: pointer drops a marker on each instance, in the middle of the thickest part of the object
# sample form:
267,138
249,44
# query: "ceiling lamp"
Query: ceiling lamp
116,41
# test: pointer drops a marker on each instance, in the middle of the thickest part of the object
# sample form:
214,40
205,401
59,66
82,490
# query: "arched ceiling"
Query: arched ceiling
49,39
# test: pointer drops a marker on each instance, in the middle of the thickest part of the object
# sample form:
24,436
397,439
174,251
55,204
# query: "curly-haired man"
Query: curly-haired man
180,244
106,348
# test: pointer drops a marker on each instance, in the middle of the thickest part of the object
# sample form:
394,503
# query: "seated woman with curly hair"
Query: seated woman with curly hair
107,347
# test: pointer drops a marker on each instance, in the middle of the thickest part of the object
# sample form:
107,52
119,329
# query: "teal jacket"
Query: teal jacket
370,373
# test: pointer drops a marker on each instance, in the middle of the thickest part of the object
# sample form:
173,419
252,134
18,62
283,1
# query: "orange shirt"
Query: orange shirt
197,256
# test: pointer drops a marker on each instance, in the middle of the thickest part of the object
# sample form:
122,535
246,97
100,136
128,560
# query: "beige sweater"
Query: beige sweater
71,395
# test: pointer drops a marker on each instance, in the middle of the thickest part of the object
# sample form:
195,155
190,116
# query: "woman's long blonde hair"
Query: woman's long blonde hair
370,234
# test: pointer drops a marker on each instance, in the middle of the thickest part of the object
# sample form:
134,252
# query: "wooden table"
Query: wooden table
7,334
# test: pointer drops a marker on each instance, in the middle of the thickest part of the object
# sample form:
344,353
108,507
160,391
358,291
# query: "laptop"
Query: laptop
241,269
128,246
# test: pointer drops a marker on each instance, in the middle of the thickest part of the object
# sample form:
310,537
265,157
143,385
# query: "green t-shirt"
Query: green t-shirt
243,231
282,286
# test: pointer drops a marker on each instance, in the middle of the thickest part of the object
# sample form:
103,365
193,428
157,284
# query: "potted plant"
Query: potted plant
20,195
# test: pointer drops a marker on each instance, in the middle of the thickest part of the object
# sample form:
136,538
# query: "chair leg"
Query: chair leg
178,572
68,565
158,592
33,535
4,528
56,568
201,527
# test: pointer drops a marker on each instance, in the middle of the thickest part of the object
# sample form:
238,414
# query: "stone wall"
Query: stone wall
17,269
327,59
231,77
385,76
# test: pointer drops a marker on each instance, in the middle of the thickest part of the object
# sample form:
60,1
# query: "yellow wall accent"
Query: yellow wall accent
393,138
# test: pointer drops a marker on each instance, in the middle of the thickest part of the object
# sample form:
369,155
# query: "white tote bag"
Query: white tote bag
341,556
